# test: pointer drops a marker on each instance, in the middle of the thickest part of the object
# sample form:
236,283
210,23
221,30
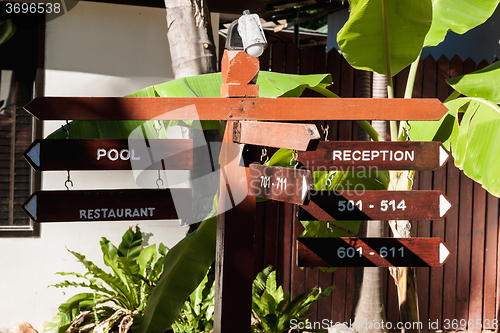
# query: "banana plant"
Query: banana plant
118,299
386,36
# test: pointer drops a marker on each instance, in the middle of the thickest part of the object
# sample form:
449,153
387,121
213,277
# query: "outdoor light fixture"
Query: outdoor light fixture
246,34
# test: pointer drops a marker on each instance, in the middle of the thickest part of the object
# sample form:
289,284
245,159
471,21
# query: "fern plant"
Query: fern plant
272,310
197,315
118,299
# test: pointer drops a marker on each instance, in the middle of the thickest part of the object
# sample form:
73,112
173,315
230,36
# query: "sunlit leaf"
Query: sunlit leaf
363,41
458,16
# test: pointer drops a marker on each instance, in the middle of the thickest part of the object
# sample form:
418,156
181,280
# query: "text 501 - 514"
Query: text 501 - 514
32,8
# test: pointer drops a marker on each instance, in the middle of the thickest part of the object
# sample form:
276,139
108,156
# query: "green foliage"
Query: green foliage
483,83
475,141
458,16
7,30
271,85
367,45
197,315
118,298
272,309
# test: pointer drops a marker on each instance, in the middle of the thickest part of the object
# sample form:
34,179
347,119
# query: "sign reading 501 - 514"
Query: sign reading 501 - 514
374,205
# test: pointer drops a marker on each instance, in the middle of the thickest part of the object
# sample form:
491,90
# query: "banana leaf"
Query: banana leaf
458,16
185,267
367,46
7,30
474,142
483,83
271,85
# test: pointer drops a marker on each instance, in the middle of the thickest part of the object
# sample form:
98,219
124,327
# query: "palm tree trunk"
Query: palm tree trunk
369,312
190,37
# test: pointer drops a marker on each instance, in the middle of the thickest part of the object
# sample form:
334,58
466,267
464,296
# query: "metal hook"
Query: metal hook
157,129
329,180
295,157
159,180
66,130
264,154
407,130
325,131
68,181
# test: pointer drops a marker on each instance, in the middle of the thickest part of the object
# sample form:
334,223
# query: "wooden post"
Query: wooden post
235,224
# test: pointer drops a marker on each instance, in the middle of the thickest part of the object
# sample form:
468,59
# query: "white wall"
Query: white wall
95,49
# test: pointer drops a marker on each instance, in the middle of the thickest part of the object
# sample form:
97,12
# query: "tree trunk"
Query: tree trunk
369,312
193,52
190,37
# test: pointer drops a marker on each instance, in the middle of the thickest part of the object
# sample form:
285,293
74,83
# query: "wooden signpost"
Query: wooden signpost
383,155
110,154
368,252
108,205
375,205
234,269
279,135
278,183
236,108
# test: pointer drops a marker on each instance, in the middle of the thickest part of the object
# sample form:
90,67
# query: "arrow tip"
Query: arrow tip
30,206
443,155
33,155
443,253
304,187
444,205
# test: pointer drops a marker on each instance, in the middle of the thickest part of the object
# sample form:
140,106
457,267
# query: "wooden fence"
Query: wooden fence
467,286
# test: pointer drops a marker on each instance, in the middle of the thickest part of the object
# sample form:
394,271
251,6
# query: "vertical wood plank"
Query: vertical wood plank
278,58
259,246
286,261
417,87
235,240
298,275
333,66
265,59
423,274
464,247
339,295
477,254
292,59
324,304
490,258
443,72
271,234
451,240
436,273
400,83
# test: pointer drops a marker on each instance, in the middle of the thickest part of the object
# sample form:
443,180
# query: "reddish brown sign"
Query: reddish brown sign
386,155
279,135
278,183
219,108
108,205
374,205
370,252
114,154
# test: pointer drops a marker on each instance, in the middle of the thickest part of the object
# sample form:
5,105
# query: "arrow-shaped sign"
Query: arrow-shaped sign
279,135
215,108
369,252
106,154
386,155
375,205
278,183
108,205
